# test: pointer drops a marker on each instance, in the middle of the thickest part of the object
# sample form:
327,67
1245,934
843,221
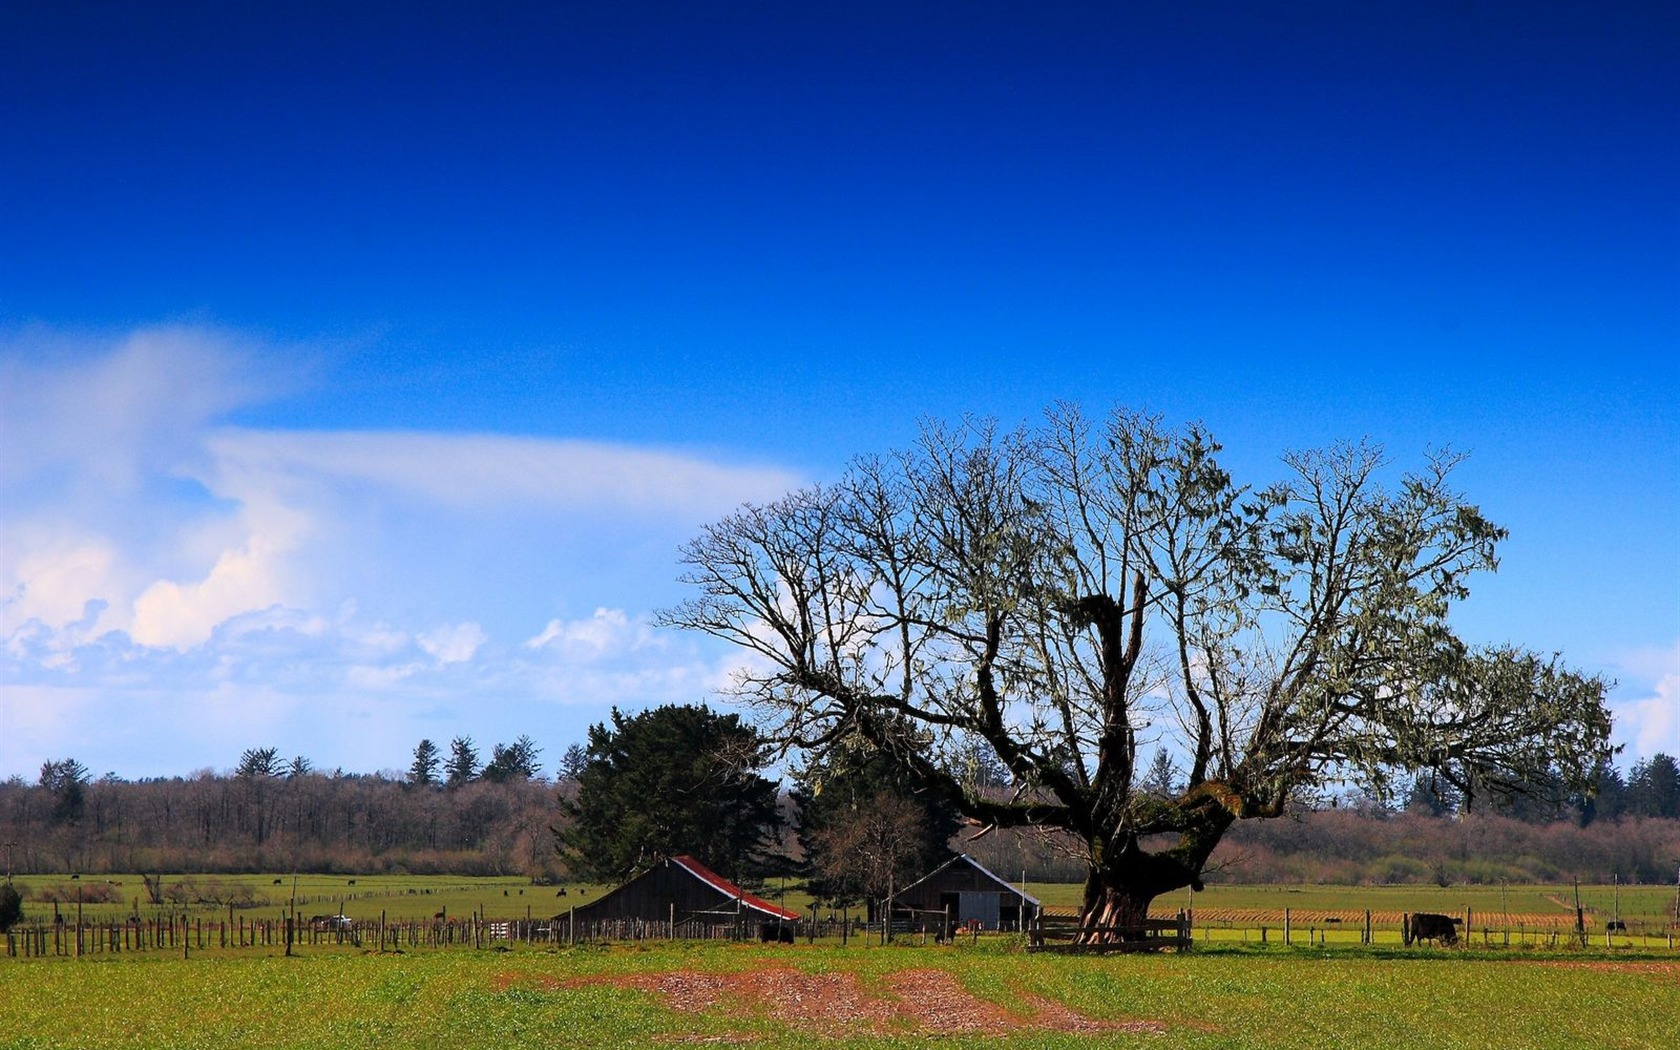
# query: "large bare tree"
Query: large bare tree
1070,592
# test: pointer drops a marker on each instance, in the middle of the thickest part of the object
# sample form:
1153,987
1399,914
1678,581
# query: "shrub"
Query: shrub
85,892
11,907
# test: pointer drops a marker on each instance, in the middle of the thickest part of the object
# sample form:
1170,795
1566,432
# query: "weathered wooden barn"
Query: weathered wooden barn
686,890
963,889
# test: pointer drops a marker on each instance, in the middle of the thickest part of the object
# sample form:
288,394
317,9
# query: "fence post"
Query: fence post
1286,926
1367,926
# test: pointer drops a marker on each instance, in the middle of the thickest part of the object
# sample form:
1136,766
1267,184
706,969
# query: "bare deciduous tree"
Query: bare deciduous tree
862,853
1060,592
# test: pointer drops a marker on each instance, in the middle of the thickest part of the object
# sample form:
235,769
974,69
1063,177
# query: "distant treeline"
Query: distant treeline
268,815
308,821
1376,847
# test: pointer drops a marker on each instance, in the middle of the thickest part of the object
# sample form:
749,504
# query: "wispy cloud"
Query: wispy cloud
115,413
155,557
491,473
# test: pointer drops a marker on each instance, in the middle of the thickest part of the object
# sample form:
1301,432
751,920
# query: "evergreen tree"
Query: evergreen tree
670,781
258,763
516,761
463,761
1161,778
423,773
572,762
67,781
1608,798
1433,795
1653,788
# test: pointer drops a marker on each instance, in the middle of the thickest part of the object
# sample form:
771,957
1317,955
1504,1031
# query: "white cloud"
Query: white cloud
248,577
453,645
51,575
489,473
1649,720
160,568
607,631
111,413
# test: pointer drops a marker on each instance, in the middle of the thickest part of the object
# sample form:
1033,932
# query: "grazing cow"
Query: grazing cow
1427,926
1615,926
775,933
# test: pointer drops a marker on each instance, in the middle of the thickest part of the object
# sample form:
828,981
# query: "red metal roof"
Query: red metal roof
734,892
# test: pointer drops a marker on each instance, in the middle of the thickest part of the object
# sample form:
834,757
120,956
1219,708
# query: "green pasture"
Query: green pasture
406,897
400,897
1229,998
1647,903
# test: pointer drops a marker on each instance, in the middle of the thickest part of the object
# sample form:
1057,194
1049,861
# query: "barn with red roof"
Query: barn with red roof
687,890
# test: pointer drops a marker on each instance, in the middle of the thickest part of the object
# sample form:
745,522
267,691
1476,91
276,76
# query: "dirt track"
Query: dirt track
908,1002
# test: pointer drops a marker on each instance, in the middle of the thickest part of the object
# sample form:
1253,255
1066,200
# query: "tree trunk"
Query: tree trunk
1123,879
1113,912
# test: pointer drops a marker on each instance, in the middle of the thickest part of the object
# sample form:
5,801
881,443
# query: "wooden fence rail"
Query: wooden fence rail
186,934
1063,933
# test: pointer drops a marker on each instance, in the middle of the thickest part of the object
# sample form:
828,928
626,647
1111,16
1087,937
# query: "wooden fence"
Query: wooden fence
1050,932
182,933
1482,929
186,934
1064,933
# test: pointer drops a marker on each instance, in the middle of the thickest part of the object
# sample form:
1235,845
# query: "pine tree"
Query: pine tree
516,761
463,761
423,773
670,781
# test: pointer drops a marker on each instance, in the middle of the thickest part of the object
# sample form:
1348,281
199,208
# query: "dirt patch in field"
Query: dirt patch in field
910,1002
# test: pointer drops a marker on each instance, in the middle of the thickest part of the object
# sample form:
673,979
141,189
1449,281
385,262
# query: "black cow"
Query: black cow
1615,926
1427,926
775,933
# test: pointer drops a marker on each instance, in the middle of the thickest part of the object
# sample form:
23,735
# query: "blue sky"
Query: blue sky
362,369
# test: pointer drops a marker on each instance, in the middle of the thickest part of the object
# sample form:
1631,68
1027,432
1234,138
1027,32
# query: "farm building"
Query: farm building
964,890
687,890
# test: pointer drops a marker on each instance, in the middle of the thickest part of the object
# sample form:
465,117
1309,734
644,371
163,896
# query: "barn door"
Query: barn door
981,907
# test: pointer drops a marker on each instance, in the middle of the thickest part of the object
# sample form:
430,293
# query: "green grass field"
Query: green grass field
401,897
897,996
420,896
1652,903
